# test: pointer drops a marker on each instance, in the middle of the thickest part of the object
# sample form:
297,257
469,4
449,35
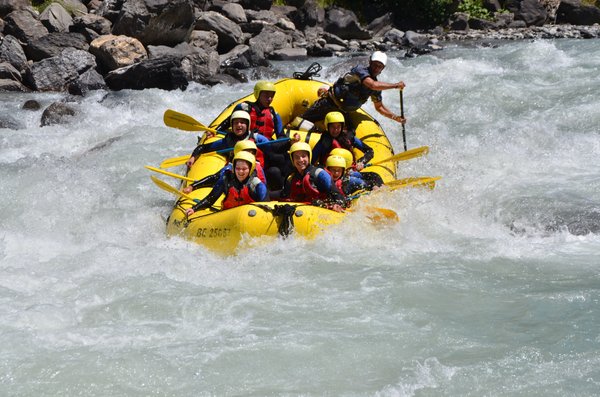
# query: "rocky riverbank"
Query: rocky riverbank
77,45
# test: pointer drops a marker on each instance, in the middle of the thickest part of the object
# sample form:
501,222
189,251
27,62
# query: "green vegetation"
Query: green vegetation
475,9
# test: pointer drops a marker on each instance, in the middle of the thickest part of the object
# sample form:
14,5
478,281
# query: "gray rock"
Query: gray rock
156,22
12,52
164,73
53,44
57,113
344,23
289,54
55,73
228,31
24,25
88,81
576,13
55,18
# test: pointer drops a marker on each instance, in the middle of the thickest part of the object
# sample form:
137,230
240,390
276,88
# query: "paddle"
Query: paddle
185,178
175,161
402,115
425,181
186,123
407,155
166,187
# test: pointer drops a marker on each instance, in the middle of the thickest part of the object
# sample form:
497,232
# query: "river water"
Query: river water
488,286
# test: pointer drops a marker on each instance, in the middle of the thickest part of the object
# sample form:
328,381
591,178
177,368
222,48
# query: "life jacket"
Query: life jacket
302,187
344,141
232,139
349,93
340,183
237,195
262,120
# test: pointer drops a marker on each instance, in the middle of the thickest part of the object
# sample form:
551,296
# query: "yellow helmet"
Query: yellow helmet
245,144
240,114
246,156
345,154
333,117
336,161
301,147
263,85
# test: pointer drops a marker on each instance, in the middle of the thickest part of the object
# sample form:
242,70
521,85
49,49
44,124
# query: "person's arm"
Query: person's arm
278,126
210,199
380,107
369,153
375,85
259,190
324,183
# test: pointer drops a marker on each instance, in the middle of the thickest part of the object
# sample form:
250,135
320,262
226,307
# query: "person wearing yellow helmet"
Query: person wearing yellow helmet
240,122
245,145
263,117
310,184
353,90
337,136
239,184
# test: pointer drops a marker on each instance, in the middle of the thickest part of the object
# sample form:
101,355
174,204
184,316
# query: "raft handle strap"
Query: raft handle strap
312,71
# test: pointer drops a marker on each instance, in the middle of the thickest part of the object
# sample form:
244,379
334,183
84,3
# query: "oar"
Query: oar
402,115
425,181
176,161
407,155
186,123
258,145
185,178
377,214
166,187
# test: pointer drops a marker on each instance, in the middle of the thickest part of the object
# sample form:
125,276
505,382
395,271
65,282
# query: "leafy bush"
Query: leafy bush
475,9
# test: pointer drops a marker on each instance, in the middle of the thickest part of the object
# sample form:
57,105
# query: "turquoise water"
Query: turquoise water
488,286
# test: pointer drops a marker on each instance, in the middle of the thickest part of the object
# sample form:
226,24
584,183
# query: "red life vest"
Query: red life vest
338,183
235,197
262,120
344,143
302,189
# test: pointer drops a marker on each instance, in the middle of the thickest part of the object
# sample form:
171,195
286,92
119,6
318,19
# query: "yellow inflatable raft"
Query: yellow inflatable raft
226,231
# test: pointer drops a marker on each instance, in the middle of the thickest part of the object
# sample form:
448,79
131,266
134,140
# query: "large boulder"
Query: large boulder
55,18
532,12
576,13
156,22
53,44
230,34
55,73
91,26
8,6
114,52
24,25
12,52
344,23
164,73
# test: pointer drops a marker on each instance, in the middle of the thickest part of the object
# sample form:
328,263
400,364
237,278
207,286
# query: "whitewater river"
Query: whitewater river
489,285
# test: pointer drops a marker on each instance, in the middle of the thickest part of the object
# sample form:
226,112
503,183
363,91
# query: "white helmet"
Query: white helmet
379,57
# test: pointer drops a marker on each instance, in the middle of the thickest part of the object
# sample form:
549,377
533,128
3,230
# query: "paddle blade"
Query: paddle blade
409,154
424,181
171,189
185,178
184,122
174,161
382,215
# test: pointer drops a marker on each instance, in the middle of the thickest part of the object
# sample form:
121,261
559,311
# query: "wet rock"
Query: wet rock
31,104
164,73
55,73
57,113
